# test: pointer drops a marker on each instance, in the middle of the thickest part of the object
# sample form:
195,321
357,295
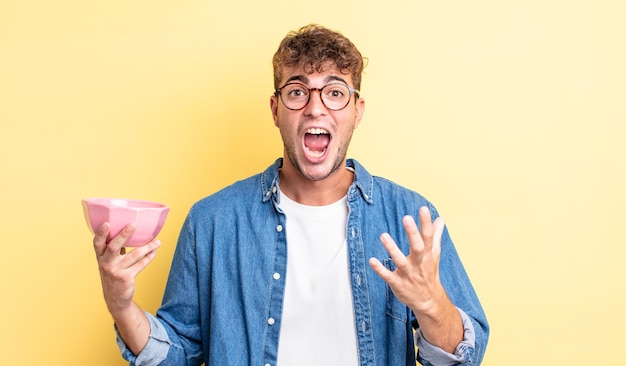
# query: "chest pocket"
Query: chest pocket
395,308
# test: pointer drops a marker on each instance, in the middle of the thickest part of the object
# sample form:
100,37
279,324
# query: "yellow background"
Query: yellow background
510,116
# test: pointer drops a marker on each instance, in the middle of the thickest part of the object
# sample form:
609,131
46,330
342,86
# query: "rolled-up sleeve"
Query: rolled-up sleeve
155,350
430,355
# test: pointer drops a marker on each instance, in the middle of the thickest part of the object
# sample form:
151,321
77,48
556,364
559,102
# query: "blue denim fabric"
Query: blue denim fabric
224,297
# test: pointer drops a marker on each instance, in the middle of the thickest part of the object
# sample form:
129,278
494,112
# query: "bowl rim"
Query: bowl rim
109,203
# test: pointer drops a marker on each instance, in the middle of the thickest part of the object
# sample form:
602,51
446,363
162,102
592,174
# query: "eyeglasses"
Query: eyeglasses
334,96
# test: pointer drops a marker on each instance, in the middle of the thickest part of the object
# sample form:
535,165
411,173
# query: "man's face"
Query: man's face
315,138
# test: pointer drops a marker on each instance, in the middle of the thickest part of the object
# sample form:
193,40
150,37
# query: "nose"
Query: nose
316,106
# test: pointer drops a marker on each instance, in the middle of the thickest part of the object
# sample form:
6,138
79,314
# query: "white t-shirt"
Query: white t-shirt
318,317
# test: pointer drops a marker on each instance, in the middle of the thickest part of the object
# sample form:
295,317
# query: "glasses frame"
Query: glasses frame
352,91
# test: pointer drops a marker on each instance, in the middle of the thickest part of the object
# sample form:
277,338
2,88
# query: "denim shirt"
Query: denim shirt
224,296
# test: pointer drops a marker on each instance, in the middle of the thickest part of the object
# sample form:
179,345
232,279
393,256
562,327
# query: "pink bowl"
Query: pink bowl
147,216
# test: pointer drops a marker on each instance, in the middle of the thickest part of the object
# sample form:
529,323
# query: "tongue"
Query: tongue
316,142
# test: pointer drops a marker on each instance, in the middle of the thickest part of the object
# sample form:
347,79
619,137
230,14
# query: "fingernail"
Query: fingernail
130,228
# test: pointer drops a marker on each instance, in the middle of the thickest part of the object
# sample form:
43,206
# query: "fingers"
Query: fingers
427,229
138,259
99,239
392,248
381,270
113,254
423,240
439,226
138,255
413,233
431,231
118,273
116,244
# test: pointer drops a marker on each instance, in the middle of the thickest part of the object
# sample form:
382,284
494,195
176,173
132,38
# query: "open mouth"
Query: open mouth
316,141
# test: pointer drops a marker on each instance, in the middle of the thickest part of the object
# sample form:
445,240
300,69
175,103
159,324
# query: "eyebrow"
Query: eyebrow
303,79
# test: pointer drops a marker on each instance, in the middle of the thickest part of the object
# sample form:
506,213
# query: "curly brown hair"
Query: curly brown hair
312,47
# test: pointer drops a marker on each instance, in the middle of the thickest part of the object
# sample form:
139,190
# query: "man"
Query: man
312,262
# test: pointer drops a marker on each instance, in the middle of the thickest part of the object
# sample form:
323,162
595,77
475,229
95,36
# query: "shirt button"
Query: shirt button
271,321
267,364
268,193
358,280
279,228
274,189
276,276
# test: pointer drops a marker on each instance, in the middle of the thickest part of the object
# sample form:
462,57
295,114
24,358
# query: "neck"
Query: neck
315,193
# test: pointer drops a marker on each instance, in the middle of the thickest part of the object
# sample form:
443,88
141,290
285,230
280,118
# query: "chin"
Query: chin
319,172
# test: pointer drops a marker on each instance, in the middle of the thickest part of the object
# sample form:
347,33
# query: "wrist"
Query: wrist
124,313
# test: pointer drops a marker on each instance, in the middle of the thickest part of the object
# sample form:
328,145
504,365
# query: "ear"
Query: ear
274,108
359,109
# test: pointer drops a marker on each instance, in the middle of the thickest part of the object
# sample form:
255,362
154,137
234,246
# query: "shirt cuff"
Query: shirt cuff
155,350
433,355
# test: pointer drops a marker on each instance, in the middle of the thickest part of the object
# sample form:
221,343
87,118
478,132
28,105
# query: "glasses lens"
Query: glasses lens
295,95
335,96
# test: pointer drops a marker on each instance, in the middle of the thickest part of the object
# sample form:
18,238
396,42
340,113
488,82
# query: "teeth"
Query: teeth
317,131
315,154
